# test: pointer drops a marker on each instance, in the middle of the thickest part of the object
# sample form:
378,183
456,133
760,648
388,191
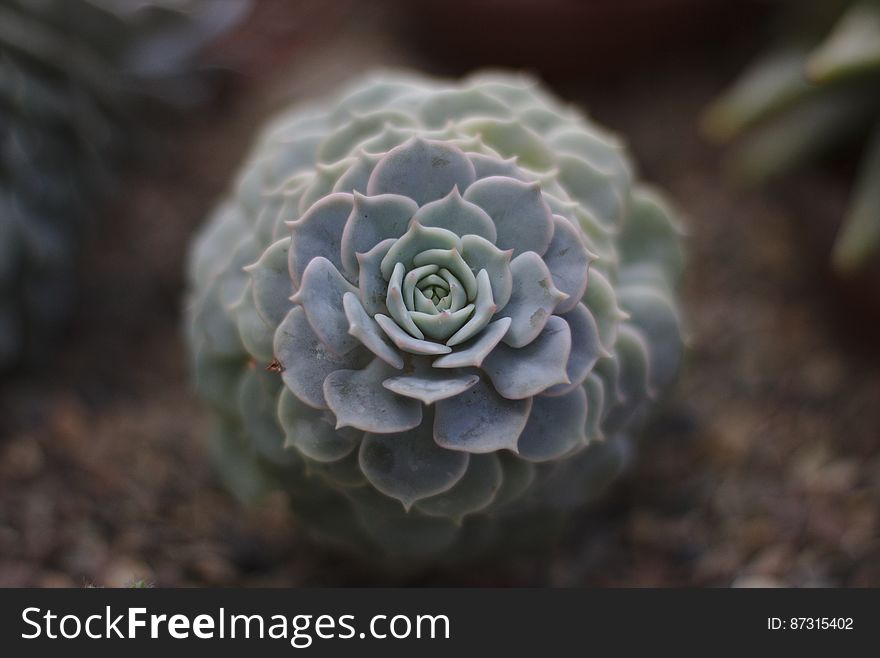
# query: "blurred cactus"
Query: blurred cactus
72,73
393,320
804,100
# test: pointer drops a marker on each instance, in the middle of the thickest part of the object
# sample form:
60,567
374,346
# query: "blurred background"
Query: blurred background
763,467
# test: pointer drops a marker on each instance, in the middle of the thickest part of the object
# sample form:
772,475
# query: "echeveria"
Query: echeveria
432,311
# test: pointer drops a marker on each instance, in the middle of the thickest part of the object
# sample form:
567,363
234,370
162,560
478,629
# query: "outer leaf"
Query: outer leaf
422,170
519,373
359,400
479,420
410,466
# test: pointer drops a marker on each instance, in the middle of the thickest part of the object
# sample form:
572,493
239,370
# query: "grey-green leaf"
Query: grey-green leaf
409,466
480,420
421,170
556,426
359,400
533,301
519,373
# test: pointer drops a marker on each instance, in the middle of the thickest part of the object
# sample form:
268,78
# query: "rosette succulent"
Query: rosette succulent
72,75
432,312
808,98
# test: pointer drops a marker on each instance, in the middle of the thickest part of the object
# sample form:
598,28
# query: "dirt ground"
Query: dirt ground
762,468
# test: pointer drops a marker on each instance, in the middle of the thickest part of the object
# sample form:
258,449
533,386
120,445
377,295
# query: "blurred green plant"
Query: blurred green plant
74,79
804,100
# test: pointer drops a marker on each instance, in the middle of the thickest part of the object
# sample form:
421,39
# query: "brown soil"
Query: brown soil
762,468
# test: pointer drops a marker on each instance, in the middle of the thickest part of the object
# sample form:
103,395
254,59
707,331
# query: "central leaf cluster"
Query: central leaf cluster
433,293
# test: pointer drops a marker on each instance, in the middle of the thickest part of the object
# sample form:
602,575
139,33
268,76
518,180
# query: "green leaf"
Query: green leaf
859,236
852,48
773,83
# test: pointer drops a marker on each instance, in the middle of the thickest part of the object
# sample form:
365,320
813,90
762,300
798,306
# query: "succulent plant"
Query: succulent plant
804,100
71,74
433,312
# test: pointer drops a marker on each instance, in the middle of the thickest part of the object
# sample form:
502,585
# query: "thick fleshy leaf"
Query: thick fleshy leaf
373,219
603,151
342,473
634,354
319,233
479,420
454,104
519,373
269,218
514,89
402,537
570,483
473,492
216,378
320,295
518,477
568,260
608,370
477,349
511,138
533,300
345,139
312,432
484,308
368,332
430,386
422,170
481,254
413,278
356,176
406,342
601,300
522,218
442,325
543,119
595,391
409,466
359,400
233,280
270,277
451,260
488,165
306,361
376,92
457,215
396,305
586,348
257,392
372,285
417,239
651,235
256,334
239,467
389,138
556,426
323,180
598,190
207,256
656,317
216,328
600,239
